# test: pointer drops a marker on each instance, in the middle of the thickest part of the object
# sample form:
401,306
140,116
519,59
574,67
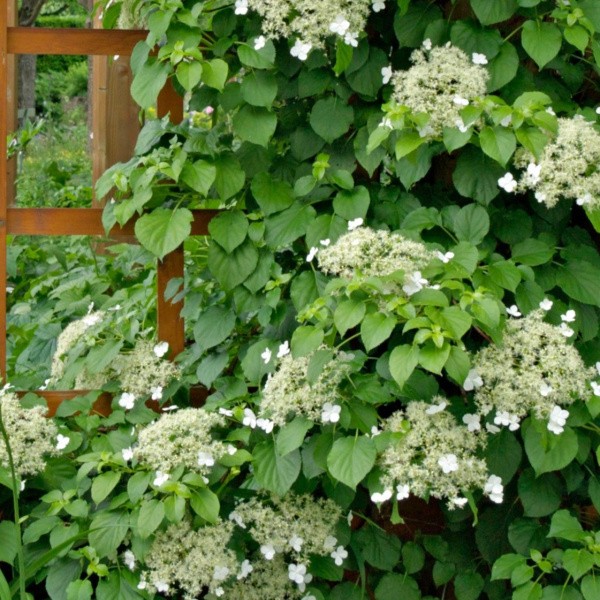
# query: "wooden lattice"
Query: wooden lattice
75,221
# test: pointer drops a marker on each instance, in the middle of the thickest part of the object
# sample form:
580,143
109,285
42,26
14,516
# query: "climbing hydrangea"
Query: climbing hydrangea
310,22
289,392
441,82
31,435
534,369
297,526
373,253
183,560
567,167
183,438
431,455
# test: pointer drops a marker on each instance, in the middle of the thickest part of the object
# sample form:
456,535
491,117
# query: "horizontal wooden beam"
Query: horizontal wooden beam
99,42
81,221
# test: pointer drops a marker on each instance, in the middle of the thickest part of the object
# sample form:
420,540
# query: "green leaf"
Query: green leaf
351,204
257,59
348,314
566,527
476,175
410,26
375,329
547,451
505,274
213,326
229,229
107,531
292,435
468,586
528,591
259,88
577,36
230,176
503,455
274,472
205,504
413,557
232,269
503,568
199,175
137,485
579,280
8,542
532,252
214,73
458,365
149,80
288,225
541,40
81,589
331,118
104,484
503,67
489,13
150,517
351,458
189,74
498,143
577,562
403,360
394,586
4,588
590,587
379,548
471,224
406,142
163,230
272,196
59,576
541,495
254,124
456,321
306,339
433,358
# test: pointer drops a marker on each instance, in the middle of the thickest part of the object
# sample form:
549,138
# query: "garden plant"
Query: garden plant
395,316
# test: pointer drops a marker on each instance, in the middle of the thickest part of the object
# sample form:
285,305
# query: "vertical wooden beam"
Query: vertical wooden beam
3,177
170,324
12,96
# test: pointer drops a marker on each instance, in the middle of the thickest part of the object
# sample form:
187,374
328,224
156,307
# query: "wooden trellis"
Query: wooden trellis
74,221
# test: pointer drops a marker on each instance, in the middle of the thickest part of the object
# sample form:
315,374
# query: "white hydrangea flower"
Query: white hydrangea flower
161,586
325,242
268,551
459,501
339,25
236,518
584,200
566,330
127,454
558,419
157,393
265,424
427,45
220,573
245,569
479,59
160,478
460,125
266,355
379,497
296,542
508,183
161,349
62,441
129,559
378,5
205,459
460,101
249,419
311,254
355,224
351,39
436,408
284,349
472,381
448,463
331,413
241,7
507,419
545,389
569,316
226,412
260,42
414,283
127,401
339,555
297,573
445,257
386,74
494,489
300,50
402,492
472,421
513,311
546,304
492,428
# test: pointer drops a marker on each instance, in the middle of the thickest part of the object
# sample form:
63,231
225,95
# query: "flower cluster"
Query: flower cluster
432,455
69,337
144,370
181,438
441,82
192,562
31,435
297,526
567,167
310,22
374,253
289,392
533,370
